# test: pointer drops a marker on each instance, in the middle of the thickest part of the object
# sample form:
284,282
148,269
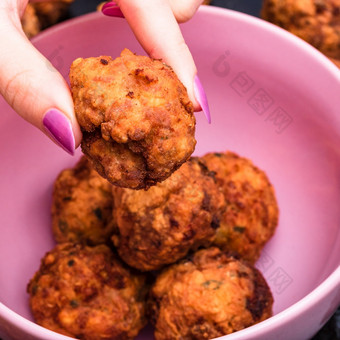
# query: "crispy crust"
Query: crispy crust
139,104
87,293
207,295
315,21
51,12
251,216
159,226
82,206
30,22
40,15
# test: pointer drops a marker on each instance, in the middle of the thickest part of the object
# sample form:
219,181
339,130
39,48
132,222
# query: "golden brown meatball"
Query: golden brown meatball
316,21
51,12
30,22
87,293
136,116
159,226
251,216
82,206
207,296
336,62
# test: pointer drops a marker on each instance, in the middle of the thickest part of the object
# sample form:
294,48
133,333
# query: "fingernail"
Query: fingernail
59,129
201,97
111,9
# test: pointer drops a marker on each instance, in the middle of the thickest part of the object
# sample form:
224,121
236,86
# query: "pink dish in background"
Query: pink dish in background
273,98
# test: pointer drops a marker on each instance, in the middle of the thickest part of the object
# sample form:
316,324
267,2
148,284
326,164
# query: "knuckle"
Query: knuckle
17,89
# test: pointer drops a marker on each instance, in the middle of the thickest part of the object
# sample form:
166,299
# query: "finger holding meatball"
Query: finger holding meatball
137,120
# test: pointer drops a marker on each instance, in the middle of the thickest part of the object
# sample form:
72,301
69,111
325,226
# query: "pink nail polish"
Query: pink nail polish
111,9
59,128
201,97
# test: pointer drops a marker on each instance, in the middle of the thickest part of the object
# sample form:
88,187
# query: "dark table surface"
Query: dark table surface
331,331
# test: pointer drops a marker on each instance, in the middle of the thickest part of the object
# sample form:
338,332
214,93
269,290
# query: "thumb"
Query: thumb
33,87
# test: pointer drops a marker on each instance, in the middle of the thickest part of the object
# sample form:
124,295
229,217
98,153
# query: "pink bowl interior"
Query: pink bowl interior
273,99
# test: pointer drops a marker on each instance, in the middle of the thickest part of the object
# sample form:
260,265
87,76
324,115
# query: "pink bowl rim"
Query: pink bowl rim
330,284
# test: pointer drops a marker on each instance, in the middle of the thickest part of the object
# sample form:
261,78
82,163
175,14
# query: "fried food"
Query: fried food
251,216
136,117
87,293
159,226
40,15
30,22
51,12
206,296
82,206
315,21
335,61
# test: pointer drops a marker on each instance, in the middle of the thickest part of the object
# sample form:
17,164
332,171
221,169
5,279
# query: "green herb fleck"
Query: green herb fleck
63,226
35,289
239,229
74,303
212,284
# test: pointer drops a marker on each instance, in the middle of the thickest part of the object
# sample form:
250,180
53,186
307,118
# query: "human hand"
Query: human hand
31,85
154,23
43,98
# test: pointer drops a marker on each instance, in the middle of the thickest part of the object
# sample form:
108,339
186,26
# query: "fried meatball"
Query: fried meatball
315,21
87,293
206,296
251,216
336,62
30,22
82,206
159,226
51,12
136,116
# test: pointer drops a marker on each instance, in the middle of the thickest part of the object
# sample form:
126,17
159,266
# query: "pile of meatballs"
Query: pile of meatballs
146,232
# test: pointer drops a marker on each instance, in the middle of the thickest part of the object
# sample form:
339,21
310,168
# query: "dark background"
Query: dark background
331,330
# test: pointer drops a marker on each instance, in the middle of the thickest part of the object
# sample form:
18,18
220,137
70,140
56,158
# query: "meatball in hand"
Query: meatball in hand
136,117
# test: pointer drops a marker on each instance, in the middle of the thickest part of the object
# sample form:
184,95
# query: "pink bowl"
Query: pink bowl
273,99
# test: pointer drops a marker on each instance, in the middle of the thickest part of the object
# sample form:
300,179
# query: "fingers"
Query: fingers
33,87
155,26
184,10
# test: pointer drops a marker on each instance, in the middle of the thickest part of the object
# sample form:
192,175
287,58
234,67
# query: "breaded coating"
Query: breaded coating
315,21
82,206
335,61
51,12
30,22
87,293
206,296
252,212
136,116
40,15
159,226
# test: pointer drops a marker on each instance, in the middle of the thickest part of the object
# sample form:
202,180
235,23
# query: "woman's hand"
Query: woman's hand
31,85
39,94
155,24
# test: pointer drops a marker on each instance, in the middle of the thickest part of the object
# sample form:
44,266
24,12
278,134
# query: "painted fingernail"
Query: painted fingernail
59,128
201,97
111,9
